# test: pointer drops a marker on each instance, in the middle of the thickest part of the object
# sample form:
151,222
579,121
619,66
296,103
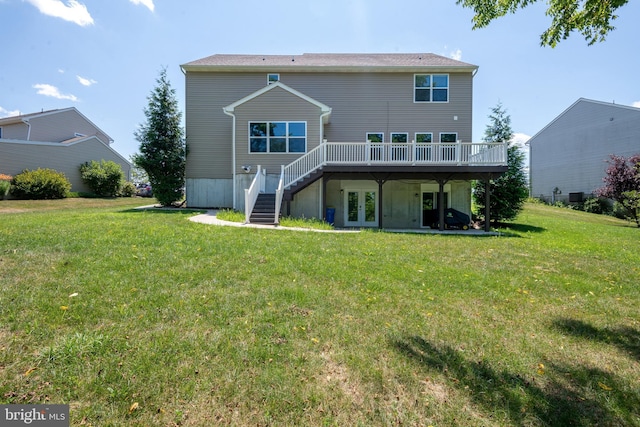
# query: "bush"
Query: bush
128,189
4,188
40,184
596,205
104,178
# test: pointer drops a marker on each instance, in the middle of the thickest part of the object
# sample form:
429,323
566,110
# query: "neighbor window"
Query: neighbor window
272,78
431,88
0,132
277,137
375,136
448,137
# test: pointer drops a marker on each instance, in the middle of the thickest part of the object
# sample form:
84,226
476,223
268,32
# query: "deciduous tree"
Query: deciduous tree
592,18
622,184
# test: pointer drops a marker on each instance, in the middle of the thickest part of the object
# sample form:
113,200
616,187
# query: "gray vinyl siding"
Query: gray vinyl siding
360,102
15,131
64,158
275,105
209,129
62,126
571,152
383,102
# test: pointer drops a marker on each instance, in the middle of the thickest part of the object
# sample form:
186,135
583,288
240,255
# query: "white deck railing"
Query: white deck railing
395,154
251,194
279,194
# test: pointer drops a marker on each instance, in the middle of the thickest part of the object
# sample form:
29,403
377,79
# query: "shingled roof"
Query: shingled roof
329,62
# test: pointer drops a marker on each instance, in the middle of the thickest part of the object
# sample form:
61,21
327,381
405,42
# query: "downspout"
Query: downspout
323,193
233,154
26,122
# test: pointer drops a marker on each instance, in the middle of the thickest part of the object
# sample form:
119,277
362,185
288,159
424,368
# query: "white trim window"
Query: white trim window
447,137
424,137
375,136
400,137
272,78
277,137
431,88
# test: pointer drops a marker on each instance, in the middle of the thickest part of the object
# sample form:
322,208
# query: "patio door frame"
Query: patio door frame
361,193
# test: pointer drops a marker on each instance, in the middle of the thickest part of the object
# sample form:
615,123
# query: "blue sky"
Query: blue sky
103,57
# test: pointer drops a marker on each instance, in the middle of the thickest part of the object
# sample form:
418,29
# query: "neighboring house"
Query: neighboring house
57,139
372,140
569,155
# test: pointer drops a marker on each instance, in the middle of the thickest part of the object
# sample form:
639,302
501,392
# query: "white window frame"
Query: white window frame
431,88
368,139
269,81
423,133
448,133
286,137
406,135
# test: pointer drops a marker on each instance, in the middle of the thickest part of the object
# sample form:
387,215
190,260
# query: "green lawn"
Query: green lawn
145,318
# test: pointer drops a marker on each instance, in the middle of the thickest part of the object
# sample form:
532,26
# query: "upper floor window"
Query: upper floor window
277,137
272,78
431,88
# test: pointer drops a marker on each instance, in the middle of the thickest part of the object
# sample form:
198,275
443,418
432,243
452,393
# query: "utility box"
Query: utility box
576,197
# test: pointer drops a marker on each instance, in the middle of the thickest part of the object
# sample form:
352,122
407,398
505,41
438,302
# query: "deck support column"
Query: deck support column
324,198
487,208
441,183
380,215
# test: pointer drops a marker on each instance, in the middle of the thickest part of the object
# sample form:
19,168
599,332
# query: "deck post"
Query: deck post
380,215
441,183
487,208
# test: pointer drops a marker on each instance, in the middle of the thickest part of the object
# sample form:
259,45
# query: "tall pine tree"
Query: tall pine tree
509,191
162,146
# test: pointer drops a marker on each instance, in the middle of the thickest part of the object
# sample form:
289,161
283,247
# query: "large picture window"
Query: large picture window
431,88
277,137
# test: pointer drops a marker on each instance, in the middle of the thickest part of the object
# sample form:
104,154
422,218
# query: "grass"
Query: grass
141,317
310,223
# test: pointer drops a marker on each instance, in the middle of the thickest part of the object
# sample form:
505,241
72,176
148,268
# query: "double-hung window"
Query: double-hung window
431,88
277,137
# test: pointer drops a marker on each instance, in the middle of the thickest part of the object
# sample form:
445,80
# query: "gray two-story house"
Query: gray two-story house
60,139
372,140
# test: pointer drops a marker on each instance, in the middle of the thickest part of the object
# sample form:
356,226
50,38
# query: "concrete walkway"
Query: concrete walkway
210,217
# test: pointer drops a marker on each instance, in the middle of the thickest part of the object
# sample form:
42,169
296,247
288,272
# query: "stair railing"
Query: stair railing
251,194
279,196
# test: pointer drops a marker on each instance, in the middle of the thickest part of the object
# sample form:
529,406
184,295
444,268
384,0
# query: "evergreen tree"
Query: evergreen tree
162,146
509,191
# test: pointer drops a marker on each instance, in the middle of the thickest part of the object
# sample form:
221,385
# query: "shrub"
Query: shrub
596,205
128,189
5,184
40,184
103,178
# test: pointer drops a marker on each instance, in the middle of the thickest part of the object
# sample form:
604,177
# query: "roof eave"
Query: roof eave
203,68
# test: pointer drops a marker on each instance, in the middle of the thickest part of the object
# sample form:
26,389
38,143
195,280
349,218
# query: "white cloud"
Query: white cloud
456,54
520,139
9,113
148,3
72,11
86,82
48,90
636,104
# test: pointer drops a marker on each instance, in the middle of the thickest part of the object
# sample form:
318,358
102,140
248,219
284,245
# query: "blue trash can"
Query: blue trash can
331,215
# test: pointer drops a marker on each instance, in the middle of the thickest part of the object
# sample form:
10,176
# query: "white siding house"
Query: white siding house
570,154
